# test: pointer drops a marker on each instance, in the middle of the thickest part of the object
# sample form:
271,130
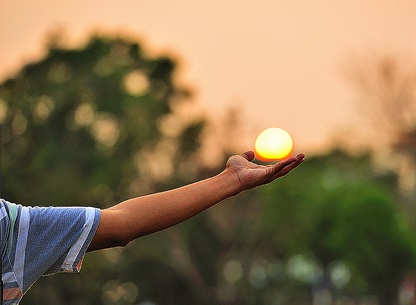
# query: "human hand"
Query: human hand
251,175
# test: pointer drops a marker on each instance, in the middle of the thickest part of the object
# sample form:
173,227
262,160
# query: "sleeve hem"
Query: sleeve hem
75,255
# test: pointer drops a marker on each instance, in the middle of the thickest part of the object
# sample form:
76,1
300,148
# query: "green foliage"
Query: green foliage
77,123
338,209
83,127
87,127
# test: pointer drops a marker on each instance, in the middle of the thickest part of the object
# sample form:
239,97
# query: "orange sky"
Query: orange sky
280,61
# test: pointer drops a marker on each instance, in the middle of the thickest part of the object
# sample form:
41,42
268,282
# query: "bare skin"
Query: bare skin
144,215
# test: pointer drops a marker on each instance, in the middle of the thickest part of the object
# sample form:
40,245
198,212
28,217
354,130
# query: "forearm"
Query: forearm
144,215
140,216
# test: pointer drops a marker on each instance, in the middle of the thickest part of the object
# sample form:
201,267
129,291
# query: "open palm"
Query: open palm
251,174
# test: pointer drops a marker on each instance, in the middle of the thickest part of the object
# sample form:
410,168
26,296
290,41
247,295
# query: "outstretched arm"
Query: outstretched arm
143,215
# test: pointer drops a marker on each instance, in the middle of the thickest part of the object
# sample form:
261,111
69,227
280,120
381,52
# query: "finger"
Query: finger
248,155
282,171
301,157
282,164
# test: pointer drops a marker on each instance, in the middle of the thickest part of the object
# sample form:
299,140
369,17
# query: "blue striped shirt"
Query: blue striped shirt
38,241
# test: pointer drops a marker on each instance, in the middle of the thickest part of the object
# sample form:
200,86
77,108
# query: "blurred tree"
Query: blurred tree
339,213
387,93
92,126
87,119
332,230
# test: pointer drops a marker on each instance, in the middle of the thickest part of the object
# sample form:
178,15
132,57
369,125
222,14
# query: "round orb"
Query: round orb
273,144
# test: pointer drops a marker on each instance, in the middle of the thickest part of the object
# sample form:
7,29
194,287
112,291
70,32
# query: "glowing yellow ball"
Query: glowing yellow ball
273,144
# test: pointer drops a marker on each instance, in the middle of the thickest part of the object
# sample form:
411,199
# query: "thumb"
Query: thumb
248,155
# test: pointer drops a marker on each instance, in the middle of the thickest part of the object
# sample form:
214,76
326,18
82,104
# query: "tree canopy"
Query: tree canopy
88,126
95,125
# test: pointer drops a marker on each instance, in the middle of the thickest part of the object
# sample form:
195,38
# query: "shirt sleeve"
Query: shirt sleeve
47,240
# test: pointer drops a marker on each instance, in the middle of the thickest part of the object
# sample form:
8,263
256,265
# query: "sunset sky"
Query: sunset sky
282,62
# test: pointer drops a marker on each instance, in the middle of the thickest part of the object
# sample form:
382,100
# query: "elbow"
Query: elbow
112,231
122,242
118,242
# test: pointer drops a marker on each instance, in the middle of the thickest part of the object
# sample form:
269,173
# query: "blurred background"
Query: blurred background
101,101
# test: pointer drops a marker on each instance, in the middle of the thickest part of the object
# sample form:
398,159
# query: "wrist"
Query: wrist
230,182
